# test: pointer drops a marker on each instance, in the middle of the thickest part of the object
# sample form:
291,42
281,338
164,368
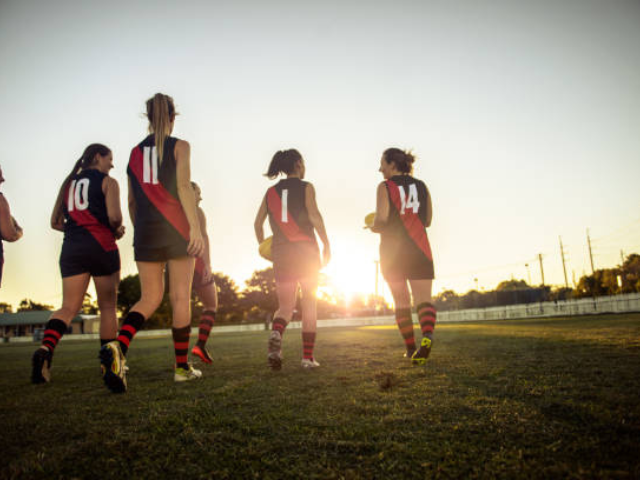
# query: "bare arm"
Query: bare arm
429,209
382,209
111,192
316,220
187,197
57,215
206,254
9,228
259,222
132,204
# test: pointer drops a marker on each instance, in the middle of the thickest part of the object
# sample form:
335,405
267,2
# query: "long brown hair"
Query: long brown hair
160,112
284,161
86,160
403,160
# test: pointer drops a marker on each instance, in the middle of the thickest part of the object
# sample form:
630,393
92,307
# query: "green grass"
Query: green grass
556,398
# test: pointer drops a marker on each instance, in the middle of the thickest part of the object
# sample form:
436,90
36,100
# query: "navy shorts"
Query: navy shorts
404,261
159,254
296,261
76,259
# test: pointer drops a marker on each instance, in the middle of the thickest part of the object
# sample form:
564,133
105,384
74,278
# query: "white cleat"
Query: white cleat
184,375
309,363
274,357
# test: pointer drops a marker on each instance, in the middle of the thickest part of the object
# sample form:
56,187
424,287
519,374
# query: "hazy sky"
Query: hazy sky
524,117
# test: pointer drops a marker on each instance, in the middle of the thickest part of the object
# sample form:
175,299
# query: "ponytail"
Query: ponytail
86,160
160,112
403,160
284,161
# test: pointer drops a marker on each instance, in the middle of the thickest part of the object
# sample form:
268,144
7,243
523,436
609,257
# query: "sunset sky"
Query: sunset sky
524,116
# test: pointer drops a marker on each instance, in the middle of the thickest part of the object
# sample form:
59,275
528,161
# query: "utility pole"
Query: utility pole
528,273
564,268
541,268
621,257
590,253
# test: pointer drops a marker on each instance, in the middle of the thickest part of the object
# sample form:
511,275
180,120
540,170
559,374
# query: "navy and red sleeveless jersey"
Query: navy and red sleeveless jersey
160,220
288,214
85,211
404,246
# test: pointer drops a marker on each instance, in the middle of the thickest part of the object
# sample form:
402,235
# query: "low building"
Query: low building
27,323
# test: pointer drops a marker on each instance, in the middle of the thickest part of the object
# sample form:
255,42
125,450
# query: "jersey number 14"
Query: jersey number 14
412,202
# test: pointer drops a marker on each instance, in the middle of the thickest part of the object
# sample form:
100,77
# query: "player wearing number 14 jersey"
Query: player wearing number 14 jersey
403,213
88,212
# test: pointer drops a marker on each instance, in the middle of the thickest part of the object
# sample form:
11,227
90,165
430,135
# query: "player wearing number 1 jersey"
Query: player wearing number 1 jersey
87,210
293,216
403,213
166,231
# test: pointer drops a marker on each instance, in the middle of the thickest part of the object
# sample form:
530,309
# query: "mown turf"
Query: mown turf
555,398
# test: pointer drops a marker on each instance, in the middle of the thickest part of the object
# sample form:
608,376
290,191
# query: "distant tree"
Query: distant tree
89,306
261,291
128,293
5,308
229,308
28,305
631,274
512,285
447,300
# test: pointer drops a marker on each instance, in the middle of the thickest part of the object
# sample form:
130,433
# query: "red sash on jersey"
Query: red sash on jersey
411,221
290,229
83,218
170,208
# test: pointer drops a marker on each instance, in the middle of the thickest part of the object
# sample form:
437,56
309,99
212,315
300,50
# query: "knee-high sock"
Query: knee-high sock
53,332
132,323
181,345
207,320
308,342
405,324
427,317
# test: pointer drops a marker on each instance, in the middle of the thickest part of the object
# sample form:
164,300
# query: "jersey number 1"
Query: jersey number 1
78,195
412,202
150,166
285,195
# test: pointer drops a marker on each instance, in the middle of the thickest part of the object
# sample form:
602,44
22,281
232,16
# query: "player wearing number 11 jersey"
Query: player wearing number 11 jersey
403,213
88,212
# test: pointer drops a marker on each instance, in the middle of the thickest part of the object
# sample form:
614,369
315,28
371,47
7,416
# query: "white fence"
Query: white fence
586,306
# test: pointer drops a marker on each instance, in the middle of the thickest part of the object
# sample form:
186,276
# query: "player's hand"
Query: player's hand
119,233
207,276
326,255
196,243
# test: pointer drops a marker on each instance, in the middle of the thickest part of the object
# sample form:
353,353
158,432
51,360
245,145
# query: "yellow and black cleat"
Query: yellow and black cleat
420,356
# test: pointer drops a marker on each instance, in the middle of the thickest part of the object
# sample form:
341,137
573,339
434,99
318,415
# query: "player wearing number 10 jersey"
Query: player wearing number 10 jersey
88,212
293,217
403,213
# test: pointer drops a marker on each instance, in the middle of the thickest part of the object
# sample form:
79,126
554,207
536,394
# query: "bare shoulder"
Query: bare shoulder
3,202
182,146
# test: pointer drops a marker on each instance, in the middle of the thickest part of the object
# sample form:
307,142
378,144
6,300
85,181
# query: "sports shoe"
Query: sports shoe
274,357
420,356
41,365
309,363
409,353
202,353
113,365
185,375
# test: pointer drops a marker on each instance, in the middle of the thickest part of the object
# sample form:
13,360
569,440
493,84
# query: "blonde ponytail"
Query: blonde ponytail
160,112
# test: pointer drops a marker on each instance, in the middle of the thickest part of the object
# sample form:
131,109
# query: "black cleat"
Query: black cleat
113,367
41,365
420,356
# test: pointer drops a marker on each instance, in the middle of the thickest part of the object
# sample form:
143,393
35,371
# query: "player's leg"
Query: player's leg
402,301
286,291
309,320
208,295
73,289
421,290
180,278
107,293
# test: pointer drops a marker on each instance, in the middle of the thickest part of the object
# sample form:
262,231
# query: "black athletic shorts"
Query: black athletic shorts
404,261
296,261
159,254
76,259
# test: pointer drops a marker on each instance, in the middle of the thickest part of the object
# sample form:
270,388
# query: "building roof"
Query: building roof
38,317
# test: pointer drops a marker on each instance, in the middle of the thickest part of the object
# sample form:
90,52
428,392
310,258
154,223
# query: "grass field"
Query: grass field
553,398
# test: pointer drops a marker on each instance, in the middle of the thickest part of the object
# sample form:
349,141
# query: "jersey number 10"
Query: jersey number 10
412,202
78,195
150,165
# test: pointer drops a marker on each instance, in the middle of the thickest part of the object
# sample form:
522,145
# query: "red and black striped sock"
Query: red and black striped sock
53,332
132,323
104,341
279,325
405,324
207,320
427,317
308,342
181,345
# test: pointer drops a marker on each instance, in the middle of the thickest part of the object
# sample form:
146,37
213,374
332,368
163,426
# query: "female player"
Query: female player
166,231
9,228
403,212
293,216
88,211
204,285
